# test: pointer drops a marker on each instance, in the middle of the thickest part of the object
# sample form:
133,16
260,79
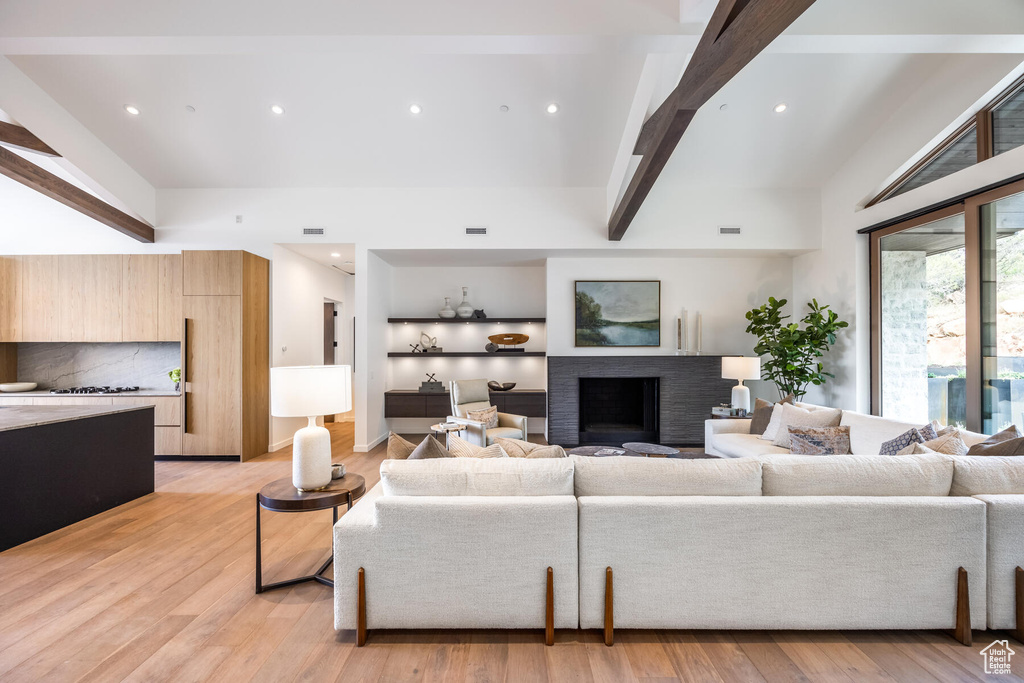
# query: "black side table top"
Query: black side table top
282,496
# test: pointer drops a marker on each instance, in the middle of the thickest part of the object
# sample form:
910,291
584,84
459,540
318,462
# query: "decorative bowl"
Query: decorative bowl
12,387
495,386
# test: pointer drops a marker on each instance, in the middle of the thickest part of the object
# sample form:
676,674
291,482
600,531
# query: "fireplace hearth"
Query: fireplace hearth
614,410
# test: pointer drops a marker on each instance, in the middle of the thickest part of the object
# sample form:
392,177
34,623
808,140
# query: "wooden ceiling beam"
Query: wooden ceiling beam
19,137
44,182
737,32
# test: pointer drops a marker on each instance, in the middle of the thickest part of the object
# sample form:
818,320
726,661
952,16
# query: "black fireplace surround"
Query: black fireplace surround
688,387
618,409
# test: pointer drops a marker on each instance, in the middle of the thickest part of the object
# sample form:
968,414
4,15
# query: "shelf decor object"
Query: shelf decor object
431,386
310,391
465,309
497,386
618,313
741,368
447,312
504,341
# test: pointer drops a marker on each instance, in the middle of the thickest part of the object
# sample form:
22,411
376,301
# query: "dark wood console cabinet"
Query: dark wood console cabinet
411,403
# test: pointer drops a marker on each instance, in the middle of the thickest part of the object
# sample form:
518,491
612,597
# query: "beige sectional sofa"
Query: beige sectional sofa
732,438
790,542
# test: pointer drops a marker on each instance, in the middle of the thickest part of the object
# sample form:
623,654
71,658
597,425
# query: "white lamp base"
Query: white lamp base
311,457
741,397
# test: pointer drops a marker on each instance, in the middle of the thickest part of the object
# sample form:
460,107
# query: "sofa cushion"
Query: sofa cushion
978,475
793,416
868,432
763,414
740,445
1007,442
904,440
947,442
477,477
819,440
619,475
398,448
460,448
517,448
858,475
428,449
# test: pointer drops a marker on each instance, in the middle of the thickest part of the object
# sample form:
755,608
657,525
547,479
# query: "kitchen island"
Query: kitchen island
62,464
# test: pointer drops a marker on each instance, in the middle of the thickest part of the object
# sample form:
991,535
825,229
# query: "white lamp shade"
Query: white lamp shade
309,390
738,367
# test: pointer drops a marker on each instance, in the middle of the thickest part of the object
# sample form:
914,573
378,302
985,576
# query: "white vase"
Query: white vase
447,312
465,309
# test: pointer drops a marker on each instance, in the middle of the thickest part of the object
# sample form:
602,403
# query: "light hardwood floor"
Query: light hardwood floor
161,589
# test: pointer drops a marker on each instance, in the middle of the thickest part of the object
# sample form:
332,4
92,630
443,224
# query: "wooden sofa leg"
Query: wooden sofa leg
549,610
361,610
1019,633
609,628
963,609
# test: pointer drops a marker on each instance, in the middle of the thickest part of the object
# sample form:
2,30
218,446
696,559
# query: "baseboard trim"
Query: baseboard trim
209,458
366,448
281,444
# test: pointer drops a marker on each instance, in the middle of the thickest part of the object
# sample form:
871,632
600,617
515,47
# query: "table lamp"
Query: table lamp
740,368
309,391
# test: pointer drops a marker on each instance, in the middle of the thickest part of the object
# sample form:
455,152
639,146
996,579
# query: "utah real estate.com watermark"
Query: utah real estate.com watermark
997,657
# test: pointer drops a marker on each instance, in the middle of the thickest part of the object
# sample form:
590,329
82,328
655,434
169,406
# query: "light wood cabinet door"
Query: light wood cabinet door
74,401
212,273
213,375
140,297
10,299
166,441
90,298
170,321
166,409
40,300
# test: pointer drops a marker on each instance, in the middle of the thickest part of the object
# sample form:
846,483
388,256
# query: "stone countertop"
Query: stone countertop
44,393
20,417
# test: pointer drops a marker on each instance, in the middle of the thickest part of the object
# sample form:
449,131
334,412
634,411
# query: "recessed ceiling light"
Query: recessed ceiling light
190,109
780,107
503,108
723,107
348,263
336,255
132,109
415,109
552,108
276,109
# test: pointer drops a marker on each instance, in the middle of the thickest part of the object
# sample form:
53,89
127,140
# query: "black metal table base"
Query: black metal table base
315,576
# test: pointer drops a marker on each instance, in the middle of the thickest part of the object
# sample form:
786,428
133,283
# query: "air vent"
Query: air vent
729,230
476,231
312,231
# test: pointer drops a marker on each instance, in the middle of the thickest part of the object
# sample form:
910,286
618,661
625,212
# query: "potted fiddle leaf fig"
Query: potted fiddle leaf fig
792,350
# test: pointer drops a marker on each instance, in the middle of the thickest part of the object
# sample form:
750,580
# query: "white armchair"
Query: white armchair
473,394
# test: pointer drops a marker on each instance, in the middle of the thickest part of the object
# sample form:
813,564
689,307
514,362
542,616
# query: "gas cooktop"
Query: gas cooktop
93,390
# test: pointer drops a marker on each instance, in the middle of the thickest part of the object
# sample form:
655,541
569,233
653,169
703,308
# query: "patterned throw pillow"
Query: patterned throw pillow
517,448
819,440
799,417
949,442
398,448
428,449
460,448
907,438
488,416
928,432
1007,442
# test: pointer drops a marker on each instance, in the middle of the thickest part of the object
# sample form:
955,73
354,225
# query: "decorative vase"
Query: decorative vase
177,386
465,309
447,312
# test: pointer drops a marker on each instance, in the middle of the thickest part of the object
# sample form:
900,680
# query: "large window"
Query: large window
957,154
1008,122
947,292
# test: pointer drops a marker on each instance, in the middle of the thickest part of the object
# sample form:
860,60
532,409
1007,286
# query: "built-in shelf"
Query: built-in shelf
450,321
466,354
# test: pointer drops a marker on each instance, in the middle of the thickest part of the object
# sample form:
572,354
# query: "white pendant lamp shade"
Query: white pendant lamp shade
740,368
309,391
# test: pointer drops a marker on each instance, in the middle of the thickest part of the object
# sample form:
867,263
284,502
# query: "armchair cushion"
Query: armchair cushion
469,394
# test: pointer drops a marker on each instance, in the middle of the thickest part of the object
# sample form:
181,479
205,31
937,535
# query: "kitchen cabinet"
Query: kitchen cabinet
90,297
40,297
226,354
169,298
140,297
10,299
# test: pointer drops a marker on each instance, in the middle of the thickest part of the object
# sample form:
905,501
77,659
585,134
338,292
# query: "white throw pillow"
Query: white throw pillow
799,417
772,430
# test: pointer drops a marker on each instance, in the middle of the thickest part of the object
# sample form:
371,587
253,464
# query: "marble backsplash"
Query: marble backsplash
60,365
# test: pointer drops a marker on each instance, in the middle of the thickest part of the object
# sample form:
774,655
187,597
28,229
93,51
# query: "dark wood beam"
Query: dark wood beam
40,180
19,137
737,32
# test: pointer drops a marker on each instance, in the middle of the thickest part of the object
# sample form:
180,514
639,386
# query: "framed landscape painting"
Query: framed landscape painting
618,313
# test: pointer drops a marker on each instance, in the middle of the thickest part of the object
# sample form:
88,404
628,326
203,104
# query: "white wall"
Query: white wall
298,289
372,338
722,289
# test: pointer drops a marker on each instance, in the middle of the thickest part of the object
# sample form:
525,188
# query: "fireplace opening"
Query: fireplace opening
614,410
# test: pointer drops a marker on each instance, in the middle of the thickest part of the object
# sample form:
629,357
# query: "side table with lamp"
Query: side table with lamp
308,391
741,368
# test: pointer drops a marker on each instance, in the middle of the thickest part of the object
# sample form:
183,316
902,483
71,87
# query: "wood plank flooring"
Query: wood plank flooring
161,589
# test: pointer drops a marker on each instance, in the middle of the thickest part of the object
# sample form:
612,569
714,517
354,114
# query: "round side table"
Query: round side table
650,449
282,496
447,429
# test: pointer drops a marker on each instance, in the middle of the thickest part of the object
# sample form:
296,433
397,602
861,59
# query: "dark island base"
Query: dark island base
58,474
